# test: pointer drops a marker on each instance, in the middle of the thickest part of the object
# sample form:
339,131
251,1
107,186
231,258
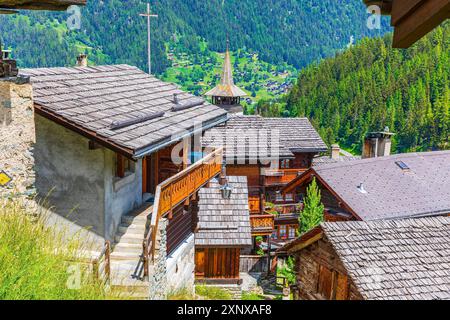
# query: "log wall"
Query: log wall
321,275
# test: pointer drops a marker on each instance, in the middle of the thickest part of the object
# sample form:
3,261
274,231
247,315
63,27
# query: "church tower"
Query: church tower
226,94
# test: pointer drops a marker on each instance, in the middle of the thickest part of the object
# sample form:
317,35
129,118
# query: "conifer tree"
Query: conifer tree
312,214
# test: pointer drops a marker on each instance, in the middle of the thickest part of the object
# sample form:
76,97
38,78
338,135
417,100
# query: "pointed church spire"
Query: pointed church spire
227,73
226,93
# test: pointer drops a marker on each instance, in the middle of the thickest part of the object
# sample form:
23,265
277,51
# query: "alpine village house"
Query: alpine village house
175,190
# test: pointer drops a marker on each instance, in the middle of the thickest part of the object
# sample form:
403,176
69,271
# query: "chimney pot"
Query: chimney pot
175,98
377,144
82,60
335,152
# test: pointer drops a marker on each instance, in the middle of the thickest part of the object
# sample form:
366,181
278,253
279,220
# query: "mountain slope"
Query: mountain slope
281,31
371,86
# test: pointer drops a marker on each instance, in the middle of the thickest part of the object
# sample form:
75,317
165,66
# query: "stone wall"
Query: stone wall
158,270
181,267
17,137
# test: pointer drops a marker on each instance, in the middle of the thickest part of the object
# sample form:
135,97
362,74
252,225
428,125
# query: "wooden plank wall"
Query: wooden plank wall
252,172
217,263
321,275
180,226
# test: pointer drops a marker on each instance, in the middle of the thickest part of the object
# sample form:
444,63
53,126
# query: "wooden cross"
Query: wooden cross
149,15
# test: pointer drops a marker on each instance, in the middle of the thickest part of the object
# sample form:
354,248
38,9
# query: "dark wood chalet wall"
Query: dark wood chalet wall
180,226
321,275
252,172
302,160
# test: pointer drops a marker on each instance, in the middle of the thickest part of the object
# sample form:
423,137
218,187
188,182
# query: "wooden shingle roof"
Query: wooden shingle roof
401,259
242,136
94,98
224,222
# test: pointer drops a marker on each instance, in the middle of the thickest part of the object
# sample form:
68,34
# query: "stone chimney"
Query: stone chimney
82,60
335,152
377,144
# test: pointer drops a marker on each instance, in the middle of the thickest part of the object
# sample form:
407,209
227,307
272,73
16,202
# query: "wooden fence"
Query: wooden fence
256,264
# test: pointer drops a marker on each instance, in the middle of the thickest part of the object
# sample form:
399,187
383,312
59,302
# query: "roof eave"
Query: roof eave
142,152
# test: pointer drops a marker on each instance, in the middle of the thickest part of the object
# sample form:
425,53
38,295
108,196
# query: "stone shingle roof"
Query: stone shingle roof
224,222
94,97
401,259
285,136
423,189
319,161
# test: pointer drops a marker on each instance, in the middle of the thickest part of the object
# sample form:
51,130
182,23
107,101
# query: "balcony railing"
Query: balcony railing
262,224
178,189
281,176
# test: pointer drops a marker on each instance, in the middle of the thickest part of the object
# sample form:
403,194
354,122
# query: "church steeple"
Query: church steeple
226,94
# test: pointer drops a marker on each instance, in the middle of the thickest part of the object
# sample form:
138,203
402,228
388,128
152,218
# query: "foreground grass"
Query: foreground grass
252,296
212,293
38,263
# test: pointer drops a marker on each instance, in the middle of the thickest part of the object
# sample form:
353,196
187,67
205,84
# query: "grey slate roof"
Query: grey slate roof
393,192
401,259
94,97
224,222
285,136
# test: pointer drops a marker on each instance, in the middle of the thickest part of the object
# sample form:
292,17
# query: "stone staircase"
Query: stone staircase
126,257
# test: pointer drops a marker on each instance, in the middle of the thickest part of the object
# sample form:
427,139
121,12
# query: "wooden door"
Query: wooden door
342,287
325,283
200,263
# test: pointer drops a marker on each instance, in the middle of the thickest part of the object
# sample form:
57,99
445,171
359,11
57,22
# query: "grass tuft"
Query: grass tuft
212,293
39,262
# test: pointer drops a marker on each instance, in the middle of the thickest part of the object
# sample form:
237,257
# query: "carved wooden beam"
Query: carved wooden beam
39,4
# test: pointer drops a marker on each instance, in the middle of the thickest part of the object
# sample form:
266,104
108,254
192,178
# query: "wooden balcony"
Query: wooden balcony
281,176
180,189
262,225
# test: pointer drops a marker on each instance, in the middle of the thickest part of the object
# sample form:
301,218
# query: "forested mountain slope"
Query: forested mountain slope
371,86
296,32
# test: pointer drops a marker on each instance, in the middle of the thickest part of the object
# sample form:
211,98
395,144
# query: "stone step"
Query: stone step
130,238
133,227
128,247
124,255
128,220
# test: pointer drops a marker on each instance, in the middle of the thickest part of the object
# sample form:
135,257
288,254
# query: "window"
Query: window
285,164
292,232
124,166
283,232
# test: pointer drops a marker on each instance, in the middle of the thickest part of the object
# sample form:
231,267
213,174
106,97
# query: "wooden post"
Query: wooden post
108,261
186,148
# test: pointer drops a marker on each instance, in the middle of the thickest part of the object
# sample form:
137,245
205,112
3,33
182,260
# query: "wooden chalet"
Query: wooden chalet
226,94
376,260
270,152
412,19
223,230
113,153
391,187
